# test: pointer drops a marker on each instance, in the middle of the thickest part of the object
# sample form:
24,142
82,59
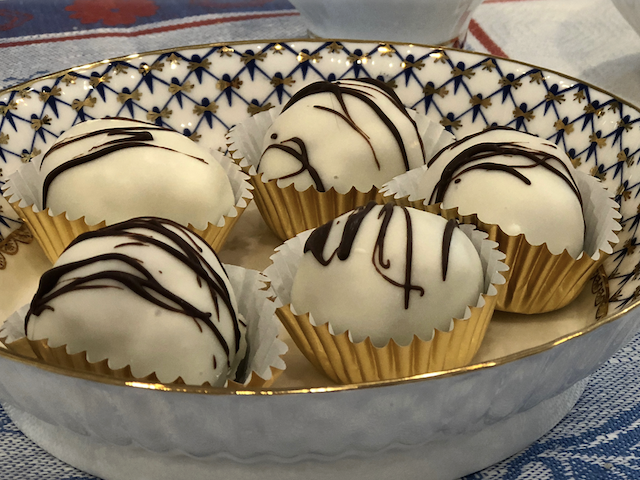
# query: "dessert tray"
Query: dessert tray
528,374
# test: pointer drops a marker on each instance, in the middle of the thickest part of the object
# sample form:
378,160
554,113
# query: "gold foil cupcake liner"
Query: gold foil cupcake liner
539,281
288,211
55,232
345,361
265,361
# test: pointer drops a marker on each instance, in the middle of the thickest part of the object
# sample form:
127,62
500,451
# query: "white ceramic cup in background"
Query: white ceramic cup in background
433,22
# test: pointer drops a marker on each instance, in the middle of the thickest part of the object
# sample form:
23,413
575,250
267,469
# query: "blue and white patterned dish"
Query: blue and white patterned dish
201,92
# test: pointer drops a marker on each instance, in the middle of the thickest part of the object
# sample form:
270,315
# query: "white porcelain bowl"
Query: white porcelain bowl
526,377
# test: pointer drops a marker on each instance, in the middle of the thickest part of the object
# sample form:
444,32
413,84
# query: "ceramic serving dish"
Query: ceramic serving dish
528,374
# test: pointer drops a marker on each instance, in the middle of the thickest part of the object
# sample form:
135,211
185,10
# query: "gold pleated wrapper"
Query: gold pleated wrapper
288,211
55,232
539,281
58,356
346,362
256,302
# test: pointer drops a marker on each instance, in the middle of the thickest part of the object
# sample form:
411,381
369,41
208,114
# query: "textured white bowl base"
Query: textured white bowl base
435,460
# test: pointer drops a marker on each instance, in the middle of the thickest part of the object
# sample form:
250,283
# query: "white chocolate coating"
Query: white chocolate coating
546,211
129,321
353,294
348,145
167,176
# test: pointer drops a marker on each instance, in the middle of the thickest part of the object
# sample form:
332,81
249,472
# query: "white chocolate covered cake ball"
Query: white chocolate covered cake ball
388,272
519,181
147,293
343,134
114,169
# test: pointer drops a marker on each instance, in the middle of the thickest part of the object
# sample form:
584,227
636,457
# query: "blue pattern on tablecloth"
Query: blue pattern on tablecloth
19,18
599,439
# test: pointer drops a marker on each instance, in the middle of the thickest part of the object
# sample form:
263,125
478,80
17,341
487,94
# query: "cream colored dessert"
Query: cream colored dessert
146,293
388,272
114,169
519,181
343,134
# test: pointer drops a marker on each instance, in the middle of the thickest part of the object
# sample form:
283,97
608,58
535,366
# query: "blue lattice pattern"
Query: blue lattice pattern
203,91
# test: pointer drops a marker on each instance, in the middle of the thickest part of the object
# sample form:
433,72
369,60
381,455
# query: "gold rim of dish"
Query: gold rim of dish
285,391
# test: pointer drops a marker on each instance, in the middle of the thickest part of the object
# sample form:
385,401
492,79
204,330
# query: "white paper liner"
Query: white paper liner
286,259
246,138
254,304
601,212
25,186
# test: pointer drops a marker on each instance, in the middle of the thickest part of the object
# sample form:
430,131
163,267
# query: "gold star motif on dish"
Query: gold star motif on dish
429,90
200,109
488,65
253,108
455,124
223,84
145,69
601,142
226,51
457,72
528,116
69,79
626,126
38,123
439,56
505,82
206,63
258,57
305,57
560,125
417,65
622,157
88,102
595,172
550,97
95,81
576,162
476,100
614,106
4,109
121,68
386,50
55,92
590,109
124,97
153,116
335,47
185,87
26,157
277,81
536,77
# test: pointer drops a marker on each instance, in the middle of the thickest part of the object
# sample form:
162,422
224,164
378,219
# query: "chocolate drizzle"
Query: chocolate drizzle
452,224
317,241
142,284
339,90
302,157
479,152
131,137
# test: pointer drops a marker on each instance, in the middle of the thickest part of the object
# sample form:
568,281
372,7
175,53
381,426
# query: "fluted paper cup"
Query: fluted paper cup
54,231
539,281
345,361
264,359
287,210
